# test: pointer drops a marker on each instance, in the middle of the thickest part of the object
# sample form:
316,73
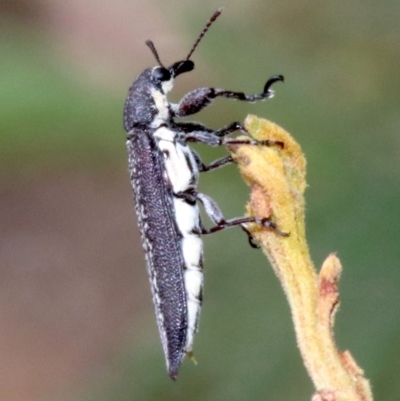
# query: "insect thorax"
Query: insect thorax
146,104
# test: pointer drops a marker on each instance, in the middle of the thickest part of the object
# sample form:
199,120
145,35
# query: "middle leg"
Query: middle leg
195,132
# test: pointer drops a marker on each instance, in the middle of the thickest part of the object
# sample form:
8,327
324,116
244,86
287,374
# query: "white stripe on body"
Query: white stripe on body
182,172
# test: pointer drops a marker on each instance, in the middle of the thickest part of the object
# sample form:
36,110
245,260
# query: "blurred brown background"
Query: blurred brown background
76,318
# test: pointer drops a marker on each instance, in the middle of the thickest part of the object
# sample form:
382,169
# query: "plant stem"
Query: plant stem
277,180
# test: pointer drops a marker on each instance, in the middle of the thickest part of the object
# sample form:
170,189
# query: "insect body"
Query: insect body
164,174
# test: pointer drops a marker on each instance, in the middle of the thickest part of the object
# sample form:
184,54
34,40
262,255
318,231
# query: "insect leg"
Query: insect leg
200,98
223,161
235,126
215,214
195,132
266,94
214,139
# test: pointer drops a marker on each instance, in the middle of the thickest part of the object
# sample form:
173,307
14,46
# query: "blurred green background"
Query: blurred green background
76,317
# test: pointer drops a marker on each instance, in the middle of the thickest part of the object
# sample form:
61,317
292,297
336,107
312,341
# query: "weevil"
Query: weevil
164,173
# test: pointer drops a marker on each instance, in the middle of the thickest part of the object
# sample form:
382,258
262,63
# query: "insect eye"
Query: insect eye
161,74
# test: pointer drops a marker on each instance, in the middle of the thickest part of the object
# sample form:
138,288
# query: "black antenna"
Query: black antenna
203,32
154,51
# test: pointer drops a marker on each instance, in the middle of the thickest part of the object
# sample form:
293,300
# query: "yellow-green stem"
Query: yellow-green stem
277,180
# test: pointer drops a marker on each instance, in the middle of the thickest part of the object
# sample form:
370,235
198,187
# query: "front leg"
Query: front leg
198,99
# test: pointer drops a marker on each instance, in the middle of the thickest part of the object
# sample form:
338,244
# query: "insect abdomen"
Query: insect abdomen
161,240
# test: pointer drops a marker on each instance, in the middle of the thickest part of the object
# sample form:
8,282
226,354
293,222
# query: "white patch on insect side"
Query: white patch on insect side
165,134
187,216
167,85
182,171
194,286
162,108
176,160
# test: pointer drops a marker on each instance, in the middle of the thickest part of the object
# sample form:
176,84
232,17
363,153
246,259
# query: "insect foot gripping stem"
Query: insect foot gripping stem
164,173
266,222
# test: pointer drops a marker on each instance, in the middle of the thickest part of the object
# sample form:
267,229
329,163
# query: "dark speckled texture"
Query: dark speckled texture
154,207
139,108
